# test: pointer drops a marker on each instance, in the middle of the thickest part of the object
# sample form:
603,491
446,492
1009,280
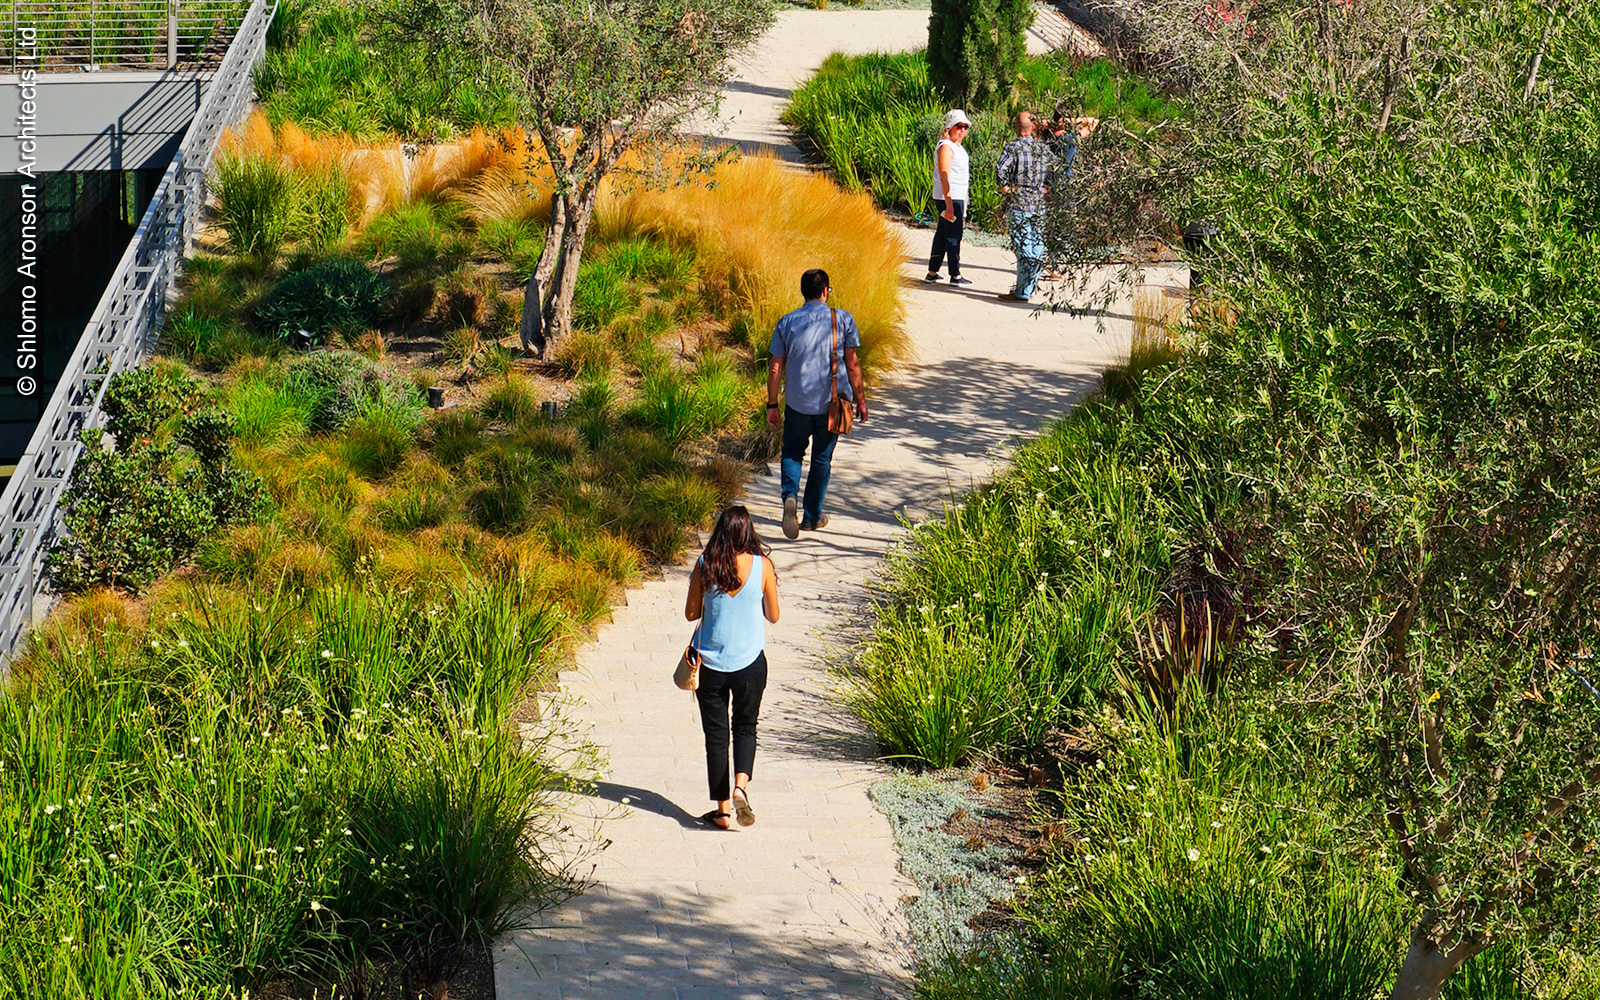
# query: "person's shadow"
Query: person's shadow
641,798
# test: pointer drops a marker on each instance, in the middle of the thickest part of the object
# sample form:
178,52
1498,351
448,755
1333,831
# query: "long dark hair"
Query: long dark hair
734,535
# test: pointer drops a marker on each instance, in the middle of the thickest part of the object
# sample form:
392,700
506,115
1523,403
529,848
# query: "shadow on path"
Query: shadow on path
643,798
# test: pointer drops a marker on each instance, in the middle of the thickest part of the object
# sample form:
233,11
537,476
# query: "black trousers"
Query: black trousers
743,688
947,239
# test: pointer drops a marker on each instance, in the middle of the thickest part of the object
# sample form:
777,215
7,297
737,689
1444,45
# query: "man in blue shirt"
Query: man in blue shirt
811,360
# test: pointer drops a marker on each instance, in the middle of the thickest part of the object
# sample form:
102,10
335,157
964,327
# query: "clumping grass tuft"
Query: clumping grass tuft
237,786
1011,610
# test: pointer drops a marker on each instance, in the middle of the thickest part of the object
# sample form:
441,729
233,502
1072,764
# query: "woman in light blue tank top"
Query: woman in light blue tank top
733,593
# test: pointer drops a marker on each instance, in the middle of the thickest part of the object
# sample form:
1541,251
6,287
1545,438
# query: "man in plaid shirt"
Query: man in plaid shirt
1023,174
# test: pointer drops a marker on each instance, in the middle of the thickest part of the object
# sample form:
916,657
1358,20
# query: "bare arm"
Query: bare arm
858,388
696,605
942,162
769,591
774,380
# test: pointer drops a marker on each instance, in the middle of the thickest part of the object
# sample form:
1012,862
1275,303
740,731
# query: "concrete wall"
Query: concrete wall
101,121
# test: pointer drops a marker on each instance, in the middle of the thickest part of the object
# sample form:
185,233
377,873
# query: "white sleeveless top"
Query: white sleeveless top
958,172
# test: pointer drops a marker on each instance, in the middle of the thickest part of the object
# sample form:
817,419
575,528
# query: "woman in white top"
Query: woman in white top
950,178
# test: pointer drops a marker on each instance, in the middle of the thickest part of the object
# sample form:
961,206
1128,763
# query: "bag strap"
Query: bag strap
833,353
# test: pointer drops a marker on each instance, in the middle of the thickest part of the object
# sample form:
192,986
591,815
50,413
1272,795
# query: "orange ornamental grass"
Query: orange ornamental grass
755,223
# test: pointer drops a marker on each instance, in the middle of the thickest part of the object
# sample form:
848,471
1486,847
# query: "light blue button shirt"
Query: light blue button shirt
801,338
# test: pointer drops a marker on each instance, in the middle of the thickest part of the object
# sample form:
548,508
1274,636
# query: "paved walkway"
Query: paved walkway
799,40
805,903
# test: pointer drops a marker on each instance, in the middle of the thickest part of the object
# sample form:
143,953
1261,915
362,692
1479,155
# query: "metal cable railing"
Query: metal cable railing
55,35
120,334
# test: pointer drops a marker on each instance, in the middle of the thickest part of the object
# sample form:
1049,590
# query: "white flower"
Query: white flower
1265,849
315,906
258,867
1194,854
1055,468
194,739
51,809
1215,825
327,654
100,888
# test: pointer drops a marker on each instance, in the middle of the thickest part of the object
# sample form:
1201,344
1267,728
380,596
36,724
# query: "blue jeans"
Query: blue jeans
1027,242
799,430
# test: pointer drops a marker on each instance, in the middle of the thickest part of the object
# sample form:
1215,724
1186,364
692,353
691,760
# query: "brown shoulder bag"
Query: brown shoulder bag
841,412
687,673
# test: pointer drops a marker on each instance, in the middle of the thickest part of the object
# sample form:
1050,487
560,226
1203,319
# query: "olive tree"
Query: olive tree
594,80
1399,381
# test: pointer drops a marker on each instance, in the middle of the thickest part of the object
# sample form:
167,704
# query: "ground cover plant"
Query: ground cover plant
874,120
1368,477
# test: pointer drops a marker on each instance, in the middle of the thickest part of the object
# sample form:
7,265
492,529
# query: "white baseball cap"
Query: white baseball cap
954,117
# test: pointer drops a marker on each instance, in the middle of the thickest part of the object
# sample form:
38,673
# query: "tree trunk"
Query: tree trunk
576,217
1427,965
535,312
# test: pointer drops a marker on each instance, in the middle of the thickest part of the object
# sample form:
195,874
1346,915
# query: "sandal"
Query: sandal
710,819
741,805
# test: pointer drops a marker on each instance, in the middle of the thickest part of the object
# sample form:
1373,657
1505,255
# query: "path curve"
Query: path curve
805,904
792,49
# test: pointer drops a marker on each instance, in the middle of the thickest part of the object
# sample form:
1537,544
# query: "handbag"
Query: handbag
841,412
687,673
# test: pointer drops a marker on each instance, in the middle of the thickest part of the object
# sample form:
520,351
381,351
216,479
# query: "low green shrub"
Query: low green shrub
336,295
339,386
133,511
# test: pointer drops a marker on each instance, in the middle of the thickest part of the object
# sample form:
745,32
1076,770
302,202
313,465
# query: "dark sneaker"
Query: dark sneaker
932,276
822,522
959,280
791,518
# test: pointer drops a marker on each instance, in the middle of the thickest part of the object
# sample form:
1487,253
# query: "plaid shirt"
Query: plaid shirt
1024,167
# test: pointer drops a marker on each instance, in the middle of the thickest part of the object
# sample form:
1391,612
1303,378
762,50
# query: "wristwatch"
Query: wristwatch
772,406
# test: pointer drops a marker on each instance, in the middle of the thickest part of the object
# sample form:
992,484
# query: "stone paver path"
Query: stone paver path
805,903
